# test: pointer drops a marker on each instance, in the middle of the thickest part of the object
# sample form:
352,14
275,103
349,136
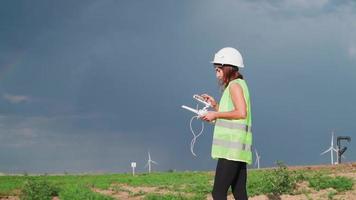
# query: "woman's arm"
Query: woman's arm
238,100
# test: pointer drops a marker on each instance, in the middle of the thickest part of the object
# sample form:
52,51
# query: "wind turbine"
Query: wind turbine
331,149
257,161
149,161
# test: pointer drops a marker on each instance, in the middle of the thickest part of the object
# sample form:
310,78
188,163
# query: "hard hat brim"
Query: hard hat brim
212,62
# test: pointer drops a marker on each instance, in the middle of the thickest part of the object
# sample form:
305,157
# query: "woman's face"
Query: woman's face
219,72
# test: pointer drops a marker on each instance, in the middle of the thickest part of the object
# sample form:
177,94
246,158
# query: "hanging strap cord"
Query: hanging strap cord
195,135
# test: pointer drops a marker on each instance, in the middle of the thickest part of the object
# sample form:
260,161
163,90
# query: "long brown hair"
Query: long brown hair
229,73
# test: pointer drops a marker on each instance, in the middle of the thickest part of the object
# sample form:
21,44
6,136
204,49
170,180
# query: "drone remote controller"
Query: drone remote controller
202,111
201,100
198,112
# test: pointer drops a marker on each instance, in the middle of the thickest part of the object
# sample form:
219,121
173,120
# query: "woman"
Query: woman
232,138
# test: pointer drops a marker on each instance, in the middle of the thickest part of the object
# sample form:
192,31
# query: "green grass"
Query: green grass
321,181
80,192
166,197
8,184
180,185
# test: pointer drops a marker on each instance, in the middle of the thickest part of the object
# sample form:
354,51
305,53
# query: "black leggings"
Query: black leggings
230,173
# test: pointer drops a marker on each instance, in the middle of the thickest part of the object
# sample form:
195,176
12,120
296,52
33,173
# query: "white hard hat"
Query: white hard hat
228,56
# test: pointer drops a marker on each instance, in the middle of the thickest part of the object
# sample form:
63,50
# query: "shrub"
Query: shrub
279,181
38,190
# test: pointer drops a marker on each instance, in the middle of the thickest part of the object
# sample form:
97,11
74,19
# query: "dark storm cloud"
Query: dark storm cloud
99,83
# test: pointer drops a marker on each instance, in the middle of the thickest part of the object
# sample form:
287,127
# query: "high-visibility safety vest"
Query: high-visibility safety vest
233,138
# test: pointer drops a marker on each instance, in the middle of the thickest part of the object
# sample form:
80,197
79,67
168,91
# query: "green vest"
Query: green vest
233,138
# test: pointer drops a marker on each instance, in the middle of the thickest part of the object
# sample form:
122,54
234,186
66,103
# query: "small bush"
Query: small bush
279,181
38,190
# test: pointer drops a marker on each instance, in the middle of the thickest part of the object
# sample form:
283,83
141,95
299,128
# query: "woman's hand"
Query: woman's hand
209,117
210,100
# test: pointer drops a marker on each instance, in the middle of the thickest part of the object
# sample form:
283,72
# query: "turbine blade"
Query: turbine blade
329,149
154,162
332,138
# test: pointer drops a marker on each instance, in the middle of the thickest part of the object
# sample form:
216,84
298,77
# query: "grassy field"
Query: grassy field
271,183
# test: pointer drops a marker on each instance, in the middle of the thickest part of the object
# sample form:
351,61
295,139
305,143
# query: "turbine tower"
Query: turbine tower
257,161
331,149
149,161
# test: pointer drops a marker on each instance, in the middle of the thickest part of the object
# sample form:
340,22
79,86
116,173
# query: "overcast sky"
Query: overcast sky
93,85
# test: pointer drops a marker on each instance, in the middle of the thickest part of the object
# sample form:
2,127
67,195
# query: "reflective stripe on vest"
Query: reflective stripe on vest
233,125
232,145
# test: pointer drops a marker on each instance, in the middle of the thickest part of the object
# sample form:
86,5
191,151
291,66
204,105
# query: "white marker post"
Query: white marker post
133,165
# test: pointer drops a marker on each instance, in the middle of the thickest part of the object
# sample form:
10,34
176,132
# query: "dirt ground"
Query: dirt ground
121,191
